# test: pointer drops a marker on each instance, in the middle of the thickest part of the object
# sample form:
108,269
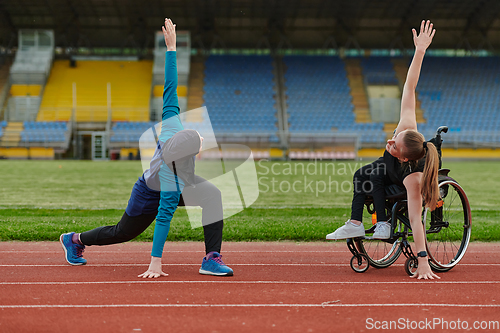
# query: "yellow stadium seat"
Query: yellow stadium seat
124,153
25,90
158,91
130,83
182,91
18,153
41,153
276,153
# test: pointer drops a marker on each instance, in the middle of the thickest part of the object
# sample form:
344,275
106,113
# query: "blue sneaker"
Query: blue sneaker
213,265
73,252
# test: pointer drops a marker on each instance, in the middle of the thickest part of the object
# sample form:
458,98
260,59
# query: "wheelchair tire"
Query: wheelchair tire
381,253
361,264
411,265
448,227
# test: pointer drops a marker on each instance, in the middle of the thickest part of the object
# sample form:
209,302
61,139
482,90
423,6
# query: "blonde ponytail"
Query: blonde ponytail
416,148
429,185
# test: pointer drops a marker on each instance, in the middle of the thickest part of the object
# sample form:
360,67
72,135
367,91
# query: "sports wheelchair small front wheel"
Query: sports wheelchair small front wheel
360,263
411,266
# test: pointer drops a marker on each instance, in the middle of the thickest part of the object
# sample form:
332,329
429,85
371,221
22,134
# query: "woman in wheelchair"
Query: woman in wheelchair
408,161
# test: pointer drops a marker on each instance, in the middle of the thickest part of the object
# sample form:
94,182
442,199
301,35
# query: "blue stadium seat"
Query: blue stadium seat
463,93
41,132
129,131
318,96
379,70
238,93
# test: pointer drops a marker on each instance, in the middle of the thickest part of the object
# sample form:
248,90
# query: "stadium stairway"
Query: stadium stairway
12,134
358,92
401,69
4,80
196,79
194,116
389,130
24,101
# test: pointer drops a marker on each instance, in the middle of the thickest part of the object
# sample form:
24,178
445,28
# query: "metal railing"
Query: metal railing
93,114
468,139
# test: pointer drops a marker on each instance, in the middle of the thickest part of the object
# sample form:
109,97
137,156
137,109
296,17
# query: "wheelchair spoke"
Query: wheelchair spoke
447,244
381,253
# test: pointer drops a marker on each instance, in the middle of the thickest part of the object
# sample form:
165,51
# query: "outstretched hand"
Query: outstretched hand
424,39
424,271
154,270
169,34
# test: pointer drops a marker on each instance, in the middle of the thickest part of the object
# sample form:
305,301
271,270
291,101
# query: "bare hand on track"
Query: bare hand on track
424,270
154,270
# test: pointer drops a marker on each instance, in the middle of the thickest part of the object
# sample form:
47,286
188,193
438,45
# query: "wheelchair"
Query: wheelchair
447,228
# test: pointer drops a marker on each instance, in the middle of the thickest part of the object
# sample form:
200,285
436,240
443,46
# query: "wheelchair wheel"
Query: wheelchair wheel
411,265
381,253
360,264
448,227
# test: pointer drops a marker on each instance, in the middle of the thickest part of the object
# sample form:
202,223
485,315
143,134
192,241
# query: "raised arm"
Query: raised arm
408,119
171,123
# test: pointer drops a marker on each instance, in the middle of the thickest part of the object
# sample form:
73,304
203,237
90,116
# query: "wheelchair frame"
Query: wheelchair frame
398,243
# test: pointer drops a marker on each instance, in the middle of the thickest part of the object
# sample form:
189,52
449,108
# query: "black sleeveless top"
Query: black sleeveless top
397,171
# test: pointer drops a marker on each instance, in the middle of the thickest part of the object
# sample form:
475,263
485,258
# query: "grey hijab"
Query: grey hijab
179,152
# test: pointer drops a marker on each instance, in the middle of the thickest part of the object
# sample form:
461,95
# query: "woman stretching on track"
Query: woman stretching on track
170,182
408,161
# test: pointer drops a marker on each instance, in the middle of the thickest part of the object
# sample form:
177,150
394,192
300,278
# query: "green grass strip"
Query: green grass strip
298,224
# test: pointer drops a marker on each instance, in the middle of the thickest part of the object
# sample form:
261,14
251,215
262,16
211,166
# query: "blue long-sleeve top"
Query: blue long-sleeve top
171,185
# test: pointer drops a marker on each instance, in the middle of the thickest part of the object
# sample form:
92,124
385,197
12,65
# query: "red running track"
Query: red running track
277,287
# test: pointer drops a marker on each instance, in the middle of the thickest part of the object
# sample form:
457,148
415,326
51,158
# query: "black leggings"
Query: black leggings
207,196
370,179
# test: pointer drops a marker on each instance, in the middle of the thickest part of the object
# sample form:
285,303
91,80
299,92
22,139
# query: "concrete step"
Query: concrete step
358,92
194,116
12,134
389,129
196,84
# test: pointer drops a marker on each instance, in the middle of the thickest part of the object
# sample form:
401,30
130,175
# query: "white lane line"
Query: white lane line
326,251
239,282
280,305
197,264
187,252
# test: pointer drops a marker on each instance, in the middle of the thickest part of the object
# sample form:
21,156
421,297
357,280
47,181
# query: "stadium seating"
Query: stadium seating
130,91
197,120
128,132
379,70
25,90
238,94
44,132
318,98
463,93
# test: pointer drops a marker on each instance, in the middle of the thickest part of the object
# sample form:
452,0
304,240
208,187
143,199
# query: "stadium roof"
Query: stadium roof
473,24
